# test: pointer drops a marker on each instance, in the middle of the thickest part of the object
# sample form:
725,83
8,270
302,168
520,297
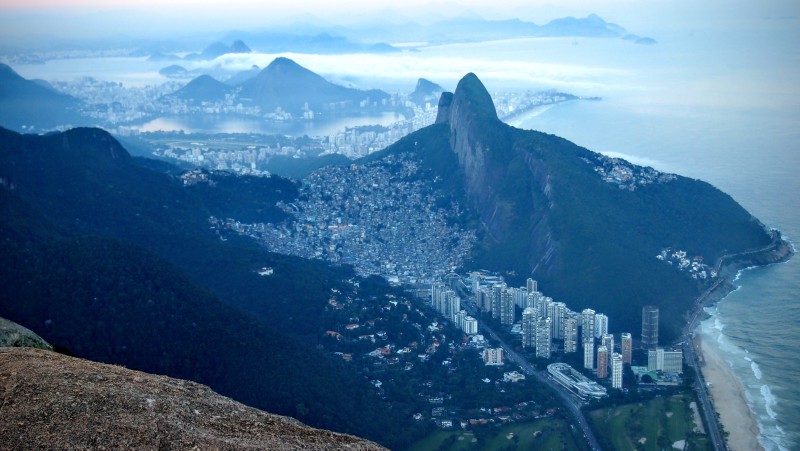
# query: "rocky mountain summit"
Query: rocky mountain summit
57,402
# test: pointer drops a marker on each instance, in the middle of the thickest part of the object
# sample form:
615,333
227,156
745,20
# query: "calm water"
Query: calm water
230,124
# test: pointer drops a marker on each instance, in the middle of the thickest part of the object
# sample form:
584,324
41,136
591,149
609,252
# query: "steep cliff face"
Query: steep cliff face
507,184
50,401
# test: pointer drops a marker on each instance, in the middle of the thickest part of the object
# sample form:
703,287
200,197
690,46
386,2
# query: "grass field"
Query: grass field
542,434
653,425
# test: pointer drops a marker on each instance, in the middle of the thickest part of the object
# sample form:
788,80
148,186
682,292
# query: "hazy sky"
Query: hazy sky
81,18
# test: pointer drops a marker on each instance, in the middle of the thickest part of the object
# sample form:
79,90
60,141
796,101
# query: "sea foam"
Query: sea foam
769,401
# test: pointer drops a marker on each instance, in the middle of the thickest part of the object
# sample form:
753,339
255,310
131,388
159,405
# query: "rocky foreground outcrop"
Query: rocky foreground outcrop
51,401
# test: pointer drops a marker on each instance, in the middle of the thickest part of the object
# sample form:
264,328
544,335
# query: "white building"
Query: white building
493,356
600,325
666,361
616,370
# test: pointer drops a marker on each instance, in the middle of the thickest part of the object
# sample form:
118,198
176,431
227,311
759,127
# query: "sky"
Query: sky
153,18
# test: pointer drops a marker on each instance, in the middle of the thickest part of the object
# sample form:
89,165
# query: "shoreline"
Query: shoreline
725,389
728,399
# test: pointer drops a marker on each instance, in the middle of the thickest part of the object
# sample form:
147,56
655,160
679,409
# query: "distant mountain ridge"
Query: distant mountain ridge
218,49
292,87
425,91
204,88
26,103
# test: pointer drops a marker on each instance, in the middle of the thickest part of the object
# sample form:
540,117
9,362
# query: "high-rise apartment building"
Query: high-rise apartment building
607,340
543,338
600,325
529,319
570,334
602,362
558,311
506,308
531,285
616,370
649,327
626,347
520,297
587,325
588,354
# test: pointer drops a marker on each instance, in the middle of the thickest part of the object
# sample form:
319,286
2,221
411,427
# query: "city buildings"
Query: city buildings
575,381
600,325
666,361
543,338
529,319
626,347
602,362
616,370
570,334
649,327
493,356
588,354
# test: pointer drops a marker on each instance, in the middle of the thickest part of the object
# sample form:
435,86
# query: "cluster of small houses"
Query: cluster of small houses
694,266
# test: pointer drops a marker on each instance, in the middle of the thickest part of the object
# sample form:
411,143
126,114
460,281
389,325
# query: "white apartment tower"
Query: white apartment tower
543,338
570,334
587,325
506,308
529,320
600,325
531,285
616,370
558,311
588,355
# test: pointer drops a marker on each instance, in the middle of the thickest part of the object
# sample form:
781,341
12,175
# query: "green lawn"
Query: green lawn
649,426
542,434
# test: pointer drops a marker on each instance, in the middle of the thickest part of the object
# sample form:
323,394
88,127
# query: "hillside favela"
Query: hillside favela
411,226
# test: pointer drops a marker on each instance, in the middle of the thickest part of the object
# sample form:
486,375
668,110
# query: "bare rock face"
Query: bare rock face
51,401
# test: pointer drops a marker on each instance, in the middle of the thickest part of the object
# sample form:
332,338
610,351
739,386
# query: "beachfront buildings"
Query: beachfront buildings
665,361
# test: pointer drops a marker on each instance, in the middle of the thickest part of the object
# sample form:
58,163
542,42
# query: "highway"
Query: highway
570,401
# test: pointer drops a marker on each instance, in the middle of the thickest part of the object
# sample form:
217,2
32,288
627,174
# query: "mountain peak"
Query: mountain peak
472,102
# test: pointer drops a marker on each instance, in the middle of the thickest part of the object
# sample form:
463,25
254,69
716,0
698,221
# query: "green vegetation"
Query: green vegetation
544,434
114,262
652,425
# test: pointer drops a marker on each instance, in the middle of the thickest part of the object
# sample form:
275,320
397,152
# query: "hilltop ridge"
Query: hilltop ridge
54,401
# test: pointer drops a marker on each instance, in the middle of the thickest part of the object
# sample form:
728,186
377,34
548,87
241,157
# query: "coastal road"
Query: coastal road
572,403
717,440
691,357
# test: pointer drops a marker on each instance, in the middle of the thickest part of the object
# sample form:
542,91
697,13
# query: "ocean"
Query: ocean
751,153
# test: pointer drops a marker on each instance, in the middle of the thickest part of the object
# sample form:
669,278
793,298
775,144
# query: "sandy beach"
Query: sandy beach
729,400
